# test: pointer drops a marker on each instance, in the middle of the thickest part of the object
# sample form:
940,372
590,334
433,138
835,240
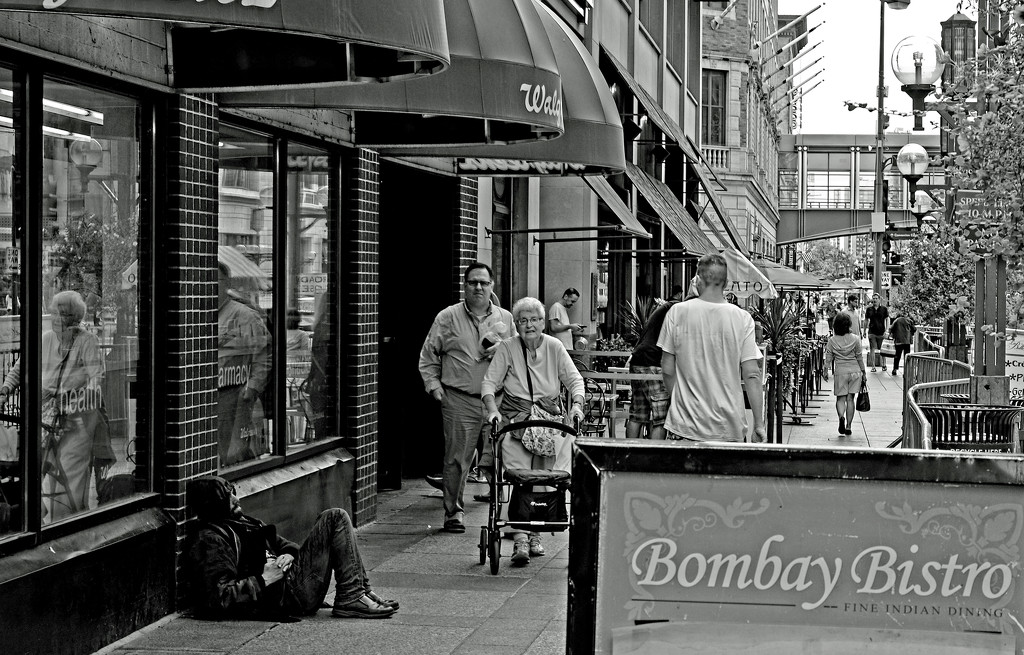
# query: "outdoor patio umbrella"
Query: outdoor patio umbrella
789,279
842,284
745,279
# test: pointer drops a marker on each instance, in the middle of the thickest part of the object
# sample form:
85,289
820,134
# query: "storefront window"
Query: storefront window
90,321
245,381
310,300
10,319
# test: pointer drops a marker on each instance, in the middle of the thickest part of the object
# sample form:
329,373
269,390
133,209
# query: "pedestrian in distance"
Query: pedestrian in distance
877,316
853,311
902,333
558,322
844,352
239,567
649,404
708,344
453,360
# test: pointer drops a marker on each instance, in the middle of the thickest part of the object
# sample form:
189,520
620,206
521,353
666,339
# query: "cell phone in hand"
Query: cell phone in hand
487,343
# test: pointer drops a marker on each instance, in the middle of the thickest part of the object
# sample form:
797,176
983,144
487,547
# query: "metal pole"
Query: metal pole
879,147
786,27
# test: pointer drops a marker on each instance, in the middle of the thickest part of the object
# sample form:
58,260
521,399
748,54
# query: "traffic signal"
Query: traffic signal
885,198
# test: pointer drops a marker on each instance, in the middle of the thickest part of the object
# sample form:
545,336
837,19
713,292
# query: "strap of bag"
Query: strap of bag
63,365
526,360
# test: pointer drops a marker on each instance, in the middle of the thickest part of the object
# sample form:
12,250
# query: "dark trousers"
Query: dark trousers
329,548
901,349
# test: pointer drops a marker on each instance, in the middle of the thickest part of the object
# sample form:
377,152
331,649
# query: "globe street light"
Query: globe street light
918,62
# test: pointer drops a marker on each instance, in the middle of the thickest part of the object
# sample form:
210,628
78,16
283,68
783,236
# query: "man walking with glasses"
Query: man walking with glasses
453,361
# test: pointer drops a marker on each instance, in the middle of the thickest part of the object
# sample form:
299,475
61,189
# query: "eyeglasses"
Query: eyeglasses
478,283
529,321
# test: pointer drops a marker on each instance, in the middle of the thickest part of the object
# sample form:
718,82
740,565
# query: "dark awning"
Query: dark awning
671,129
255,44
592,143
503,86
605,191
670,211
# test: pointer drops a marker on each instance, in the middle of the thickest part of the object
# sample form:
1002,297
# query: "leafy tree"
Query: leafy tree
938,280
827,260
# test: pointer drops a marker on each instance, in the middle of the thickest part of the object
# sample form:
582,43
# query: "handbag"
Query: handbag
863,399
547,506
541,441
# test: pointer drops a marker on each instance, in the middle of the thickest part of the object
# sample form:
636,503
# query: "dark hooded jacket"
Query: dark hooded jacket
227,553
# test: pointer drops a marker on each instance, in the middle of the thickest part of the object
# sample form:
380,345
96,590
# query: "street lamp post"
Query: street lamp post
878,216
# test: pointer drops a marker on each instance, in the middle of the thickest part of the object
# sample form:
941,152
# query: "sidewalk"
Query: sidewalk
450,603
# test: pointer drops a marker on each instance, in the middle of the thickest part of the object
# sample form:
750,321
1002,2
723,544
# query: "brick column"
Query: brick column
360,262
187,279
464,233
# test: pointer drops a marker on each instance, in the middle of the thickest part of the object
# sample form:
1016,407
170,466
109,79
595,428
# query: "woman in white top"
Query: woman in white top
544,359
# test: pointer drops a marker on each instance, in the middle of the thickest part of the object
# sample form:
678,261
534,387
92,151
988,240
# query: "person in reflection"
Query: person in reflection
72,399
243,359
707,348
240,567
538,363
316,387
844,350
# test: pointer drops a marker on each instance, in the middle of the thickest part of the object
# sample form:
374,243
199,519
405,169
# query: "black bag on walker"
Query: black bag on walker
548,506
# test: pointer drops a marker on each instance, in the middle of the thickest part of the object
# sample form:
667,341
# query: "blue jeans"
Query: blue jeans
329,548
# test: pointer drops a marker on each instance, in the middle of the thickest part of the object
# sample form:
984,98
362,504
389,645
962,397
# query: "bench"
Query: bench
967,427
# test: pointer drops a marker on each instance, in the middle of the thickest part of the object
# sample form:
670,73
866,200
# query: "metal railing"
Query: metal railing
927,376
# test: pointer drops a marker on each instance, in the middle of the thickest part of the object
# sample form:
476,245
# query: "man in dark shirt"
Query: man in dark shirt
650,398
902,332
878,317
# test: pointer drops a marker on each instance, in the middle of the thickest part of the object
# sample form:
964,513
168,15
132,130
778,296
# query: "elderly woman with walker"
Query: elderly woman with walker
531,368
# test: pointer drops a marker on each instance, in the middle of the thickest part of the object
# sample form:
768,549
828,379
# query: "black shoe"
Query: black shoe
454,525
435,481
382,601
363,607
842,426
482,498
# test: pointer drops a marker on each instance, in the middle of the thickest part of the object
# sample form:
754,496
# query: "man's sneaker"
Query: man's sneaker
874,370
536,548
521,553
454,523
842,425
363,607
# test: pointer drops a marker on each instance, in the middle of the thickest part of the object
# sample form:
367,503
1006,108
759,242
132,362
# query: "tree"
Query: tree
827,260
938,280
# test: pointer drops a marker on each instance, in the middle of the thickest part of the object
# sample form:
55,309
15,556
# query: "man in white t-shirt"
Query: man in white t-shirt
558,318
708,344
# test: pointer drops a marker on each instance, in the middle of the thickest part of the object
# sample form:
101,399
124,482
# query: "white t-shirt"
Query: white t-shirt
709,341
559,313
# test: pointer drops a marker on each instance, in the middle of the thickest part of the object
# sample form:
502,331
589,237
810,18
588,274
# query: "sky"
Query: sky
849,43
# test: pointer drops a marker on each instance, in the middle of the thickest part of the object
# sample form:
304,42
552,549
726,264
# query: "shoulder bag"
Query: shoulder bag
541,441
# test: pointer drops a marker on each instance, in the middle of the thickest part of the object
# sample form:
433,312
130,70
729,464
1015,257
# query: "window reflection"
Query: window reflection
11,518
310,303
245,394
90,324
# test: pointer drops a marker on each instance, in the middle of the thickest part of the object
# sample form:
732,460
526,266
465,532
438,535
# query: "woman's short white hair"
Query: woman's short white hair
527,305
71,300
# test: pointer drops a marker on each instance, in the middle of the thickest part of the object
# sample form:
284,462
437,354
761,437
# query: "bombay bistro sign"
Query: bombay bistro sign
756,564
220,45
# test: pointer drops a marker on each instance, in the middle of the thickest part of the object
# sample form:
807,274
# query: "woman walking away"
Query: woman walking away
845,351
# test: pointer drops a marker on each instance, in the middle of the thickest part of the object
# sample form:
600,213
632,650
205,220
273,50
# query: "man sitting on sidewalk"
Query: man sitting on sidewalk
241,568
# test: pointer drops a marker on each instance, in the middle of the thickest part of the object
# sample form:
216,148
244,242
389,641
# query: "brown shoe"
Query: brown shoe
363,607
